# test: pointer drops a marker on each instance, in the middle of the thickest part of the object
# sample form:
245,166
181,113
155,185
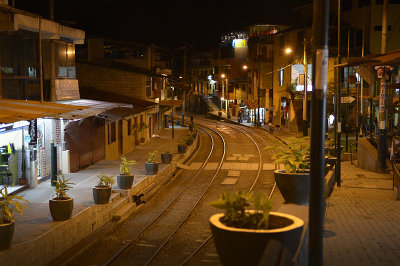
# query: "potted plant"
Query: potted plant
189,139
244,230
294,180
9,204
102,192
182,145
143,128
228,115
61,206
151,165
125,178
166,157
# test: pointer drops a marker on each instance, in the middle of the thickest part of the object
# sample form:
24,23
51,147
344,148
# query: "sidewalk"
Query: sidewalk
38,239
362,220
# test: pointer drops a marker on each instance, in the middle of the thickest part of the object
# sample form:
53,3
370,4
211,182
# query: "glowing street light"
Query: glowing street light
288,50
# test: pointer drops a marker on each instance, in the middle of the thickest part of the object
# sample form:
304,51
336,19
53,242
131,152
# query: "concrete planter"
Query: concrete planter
166,158
294,187
151,168
125,181
331,161
101,195
182,149
61,210
6,235
239,246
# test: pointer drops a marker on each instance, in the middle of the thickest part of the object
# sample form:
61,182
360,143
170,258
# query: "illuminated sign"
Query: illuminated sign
240,43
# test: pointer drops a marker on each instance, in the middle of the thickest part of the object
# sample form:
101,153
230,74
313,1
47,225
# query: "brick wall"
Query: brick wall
111,80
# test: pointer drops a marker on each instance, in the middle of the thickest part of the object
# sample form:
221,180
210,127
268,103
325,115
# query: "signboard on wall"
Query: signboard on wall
240,43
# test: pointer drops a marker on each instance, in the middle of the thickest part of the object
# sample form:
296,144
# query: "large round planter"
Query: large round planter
331,161
239,246
125,181
166,158
151,168
189,141
61,210
182,148
101,195
294,187
6,235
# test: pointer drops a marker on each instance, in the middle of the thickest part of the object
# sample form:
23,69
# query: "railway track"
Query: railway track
170,226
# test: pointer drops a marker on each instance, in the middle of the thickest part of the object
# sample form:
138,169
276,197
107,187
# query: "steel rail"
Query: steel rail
197,202
251,188
127,245
169,204
269,196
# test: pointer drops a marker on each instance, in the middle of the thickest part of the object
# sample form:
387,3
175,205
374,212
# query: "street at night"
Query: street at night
199,133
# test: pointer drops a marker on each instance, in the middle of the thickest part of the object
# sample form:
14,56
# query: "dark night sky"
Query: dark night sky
166,23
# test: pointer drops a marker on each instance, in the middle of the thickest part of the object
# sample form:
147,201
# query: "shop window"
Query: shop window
112,132
129,127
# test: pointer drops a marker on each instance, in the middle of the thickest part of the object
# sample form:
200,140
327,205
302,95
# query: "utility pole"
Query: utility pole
305,120
258,94
382,98
52,58
348,91
184,90
317,151
338,112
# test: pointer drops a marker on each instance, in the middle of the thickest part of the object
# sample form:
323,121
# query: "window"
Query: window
281,44
380,2
112,132
362,3
281,77
129,127
65,60
379,28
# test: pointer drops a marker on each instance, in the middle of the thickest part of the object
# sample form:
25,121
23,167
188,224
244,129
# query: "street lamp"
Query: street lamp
257,120
223,76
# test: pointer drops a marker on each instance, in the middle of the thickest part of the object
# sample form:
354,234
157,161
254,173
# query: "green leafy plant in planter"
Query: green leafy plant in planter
9,204
294,181
182,145
151,165
189,139
249,223
166,157
125,178
61,205
102,191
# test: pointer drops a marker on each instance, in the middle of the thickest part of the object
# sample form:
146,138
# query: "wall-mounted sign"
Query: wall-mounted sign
240,43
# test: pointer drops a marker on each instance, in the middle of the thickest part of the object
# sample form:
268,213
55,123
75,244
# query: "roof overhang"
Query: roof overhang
18,110
88,108
391,58
49,29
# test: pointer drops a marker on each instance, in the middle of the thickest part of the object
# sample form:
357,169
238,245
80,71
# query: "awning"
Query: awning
172,103
391,58
88,108
120,113
95,94
18,110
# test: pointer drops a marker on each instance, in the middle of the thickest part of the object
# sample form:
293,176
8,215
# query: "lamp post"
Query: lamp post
305,120
223,92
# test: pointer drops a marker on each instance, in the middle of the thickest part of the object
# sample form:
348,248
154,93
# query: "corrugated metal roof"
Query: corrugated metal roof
121,112
92,108
18,110
95,94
